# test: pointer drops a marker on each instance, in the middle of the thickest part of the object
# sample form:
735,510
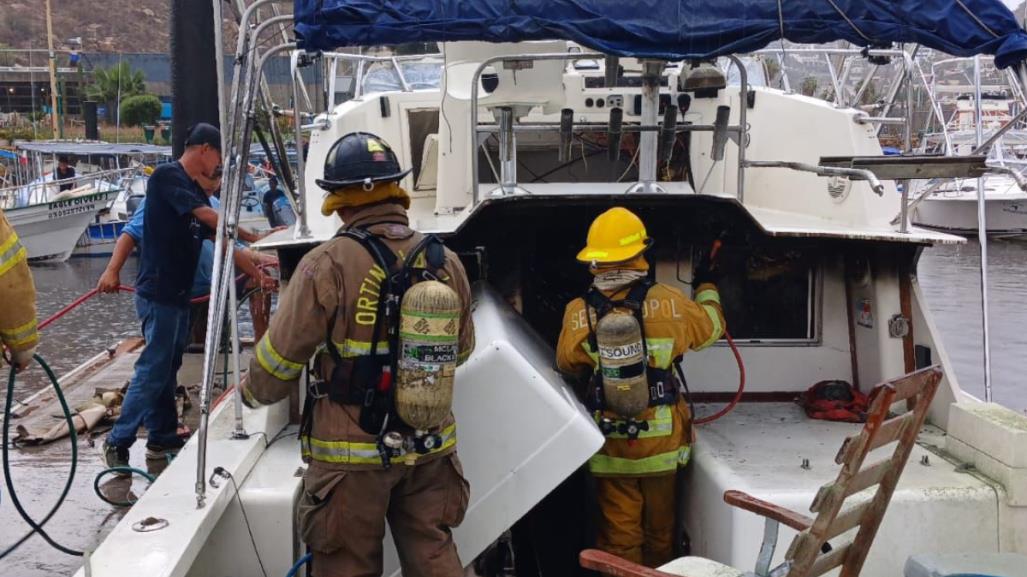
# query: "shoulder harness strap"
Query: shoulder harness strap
633,301
384,258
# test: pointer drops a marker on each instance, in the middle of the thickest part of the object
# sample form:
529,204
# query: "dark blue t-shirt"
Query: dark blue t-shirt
174,237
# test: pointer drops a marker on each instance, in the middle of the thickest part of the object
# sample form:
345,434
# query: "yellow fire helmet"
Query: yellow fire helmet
615,236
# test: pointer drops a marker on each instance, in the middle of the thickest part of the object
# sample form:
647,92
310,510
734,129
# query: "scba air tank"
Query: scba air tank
429,332
622,364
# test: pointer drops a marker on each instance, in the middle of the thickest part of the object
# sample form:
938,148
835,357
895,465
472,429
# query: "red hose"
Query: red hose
121,288
738,359
741,386
68,308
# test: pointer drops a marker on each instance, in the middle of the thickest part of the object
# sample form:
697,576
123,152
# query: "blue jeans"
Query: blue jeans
150,399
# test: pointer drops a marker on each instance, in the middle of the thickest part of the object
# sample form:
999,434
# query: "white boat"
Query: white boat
821,286
50,230
953,207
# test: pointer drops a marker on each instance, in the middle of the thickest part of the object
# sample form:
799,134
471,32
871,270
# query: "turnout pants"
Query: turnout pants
637,518
342,517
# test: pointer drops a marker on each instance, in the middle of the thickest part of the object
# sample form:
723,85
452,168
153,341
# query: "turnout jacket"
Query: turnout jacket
674,324
18,294
333,294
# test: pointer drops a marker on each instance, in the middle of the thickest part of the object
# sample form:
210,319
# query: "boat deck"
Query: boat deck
760,448
40,471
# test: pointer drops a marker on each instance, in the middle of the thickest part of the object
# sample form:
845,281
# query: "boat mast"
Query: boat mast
54,121
982,234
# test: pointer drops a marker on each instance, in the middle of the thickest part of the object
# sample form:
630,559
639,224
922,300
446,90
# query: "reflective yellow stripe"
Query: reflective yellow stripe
708,296
11,253
601,464
718,329
631,238
353,348
591,354
275,364
19,335
661,425
661,351
345,452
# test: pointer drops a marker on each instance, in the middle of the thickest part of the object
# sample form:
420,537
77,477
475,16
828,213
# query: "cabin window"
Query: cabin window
769,295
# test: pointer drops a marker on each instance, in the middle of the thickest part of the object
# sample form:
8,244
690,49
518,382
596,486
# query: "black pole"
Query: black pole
89,115
194,96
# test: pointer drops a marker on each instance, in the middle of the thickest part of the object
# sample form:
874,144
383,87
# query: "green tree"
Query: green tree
809,86
772,69
870,95
141,109
6,58
109,83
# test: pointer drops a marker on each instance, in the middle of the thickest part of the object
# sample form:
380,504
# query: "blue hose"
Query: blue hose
295,568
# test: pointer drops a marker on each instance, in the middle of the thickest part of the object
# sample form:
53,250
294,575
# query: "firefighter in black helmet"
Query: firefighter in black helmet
356,478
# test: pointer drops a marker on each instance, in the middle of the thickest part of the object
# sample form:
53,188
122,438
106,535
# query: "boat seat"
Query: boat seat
820,546
700,567
978,564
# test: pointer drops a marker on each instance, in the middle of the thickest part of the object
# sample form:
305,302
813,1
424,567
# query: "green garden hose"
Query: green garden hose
38,527
114,470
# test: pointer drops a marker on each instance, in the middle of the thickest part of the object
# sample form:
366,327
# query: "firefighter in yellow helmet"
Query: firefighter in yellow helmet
368,459
632,386
18,293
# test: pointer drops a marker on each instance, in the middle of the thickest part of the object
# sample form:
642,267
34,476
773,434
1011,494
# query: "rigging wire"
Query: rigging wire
976,19
852,24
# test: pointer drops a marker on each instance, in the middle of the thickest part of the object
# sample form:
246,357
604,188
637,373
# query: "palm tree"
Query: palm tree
114,83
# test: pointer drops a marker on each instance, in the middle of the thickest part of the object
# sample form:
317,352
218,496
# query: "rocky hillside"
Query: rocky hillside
104,26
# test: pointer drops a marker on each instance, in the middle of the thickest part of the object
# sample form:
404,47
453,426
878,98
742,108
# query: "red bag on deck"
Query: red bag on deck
835,401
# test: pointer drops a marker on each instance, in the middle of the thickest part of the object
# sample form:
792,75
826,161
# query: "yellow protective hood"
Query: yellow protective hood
357,195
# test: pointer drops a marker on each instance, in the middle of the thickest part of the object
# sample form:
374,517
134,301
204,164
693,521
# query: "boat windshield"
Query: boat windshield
753,67
422,74
418,75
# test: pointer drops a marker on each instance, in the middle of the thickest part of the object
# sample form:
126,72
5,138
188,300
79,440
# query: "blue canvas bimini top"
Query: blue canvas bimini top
668,29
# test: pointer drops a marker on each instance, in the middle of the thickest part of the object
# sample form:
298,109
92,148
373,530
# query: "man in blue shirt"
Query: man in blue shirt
177,219
246,261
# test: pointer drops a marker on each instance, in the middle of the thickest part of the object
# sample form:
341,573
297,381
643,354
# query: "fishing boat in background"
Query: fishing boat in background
52,216
50,230
953,206
961,107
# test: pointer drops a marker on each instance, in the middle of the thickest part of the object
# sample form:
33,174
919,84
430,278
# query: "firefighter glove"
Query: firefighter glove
706,271
23,358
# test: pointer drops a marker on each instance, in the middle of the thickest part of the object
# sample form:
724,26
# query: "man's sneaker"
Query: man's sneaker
155,452
115,457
